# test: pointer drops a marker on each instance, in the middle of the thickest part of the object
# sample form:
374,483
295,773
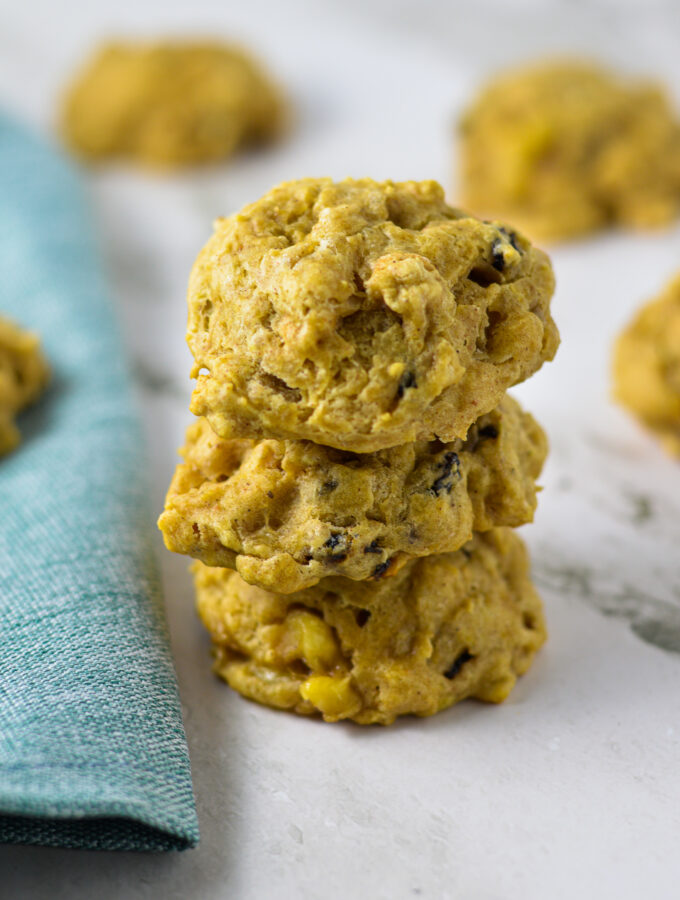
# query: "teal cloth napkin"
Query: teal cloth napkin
92,746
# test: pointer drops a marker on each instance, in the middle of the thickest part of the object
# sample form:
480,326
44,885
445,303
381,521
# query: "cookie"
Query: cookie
444,628
23,376
363,315
286,514
170,104
647,366
564,147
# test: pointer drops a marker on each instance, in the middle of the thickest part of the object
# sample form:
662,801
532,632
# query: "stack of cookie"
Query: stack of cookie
357,461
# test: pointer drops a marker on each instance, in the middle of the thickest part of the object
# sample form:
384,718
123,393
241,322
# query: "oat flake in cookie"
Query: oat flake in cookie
444,628
286,514
363,315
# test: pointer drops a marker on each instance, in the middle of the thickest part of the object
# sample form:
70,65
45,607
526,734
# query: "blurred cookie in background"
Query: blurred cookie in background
565,147
647,366
170,104
23,376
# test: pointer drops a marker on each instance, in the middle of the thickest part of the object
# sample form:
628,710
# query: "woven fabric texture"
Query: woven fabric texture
92,746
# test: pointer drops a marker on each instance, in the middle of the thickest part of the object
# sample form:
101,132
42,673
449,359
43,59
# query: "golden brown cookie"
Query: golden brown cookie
363,315
443,628
23,376
170,104
647,366
564,147
285,514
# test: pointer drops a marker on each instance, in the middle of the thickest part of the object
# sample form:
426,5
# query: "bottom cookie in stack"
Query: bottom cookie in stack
443,628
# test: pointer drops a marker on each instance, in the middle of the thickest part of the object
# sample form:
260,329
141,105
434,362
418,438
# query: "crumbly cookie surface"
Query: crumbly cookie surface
286,514
647,366
565,147
362,315
23,376
170,104
444,628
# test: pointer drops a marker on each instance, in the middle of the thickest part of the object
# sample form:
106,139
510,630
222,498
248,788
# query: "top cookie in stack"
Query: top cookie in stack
353,344
362,315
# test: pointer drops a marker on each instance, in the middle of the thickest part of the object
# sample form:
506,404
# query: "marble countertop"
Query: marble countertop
570,788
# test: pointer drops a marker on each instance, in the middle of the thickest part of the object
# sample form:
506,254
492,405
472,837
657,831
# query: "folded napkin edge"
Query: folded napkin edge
87,811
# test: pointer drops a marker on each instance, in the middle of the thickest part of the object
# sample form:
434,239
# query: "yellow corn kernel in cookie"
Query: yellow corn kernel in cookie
335,698
306,636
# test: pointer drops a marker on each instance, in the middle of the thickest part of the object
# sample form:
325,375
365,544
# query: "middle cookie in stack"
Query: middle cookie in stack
353,345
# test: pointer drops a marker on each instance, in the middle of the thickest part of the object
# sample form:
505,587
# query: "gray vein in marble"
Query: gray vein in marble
654,620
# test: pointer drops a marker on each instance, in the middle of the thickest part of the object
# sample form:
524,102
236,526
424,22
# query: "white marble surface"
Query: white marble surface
571,788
